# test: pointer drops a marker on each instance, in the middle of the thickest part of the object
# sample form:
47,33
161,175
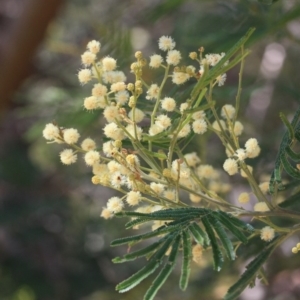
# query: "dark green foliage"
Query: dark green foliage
223,237
199,235
285,153
152,265
251,272
165,272
217,254
186,260
179,232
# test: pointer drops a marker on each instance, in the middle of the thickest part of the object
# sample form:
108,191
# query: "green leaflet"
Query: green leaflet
232,228
187,217
167,214
288,126
137,221
151,266
223,216
199,235
291,133
165,272
292,154
175,233
217,254
223,237
142,252
293,172
137,238
202,107
220,68
182,221
186,261
252,269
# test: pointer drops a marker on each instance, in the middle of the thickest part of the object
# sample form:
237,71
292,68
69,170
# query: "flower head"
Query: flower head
267,233
155,129
138,115
166,43
111,113
109,63
68,156
227,111
87,58
134,131
173,57
199,126
71,136
206,171
51,132
261,207
99,90
92,102
133,198
155,61
264,187
195,198
251,145
84,76
92,157
152,92
186,129
217,125
122,97
238,128
168,104
192,159
183,107
115,204
221,79
118,87
106,213
94,46
244,198
230,166
163,120
180,77
112,131
88,144
240,154
158,188
113,77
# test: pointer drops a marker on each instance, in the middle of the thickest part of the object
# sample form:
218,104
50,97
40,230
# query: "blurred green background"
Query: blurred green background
53,244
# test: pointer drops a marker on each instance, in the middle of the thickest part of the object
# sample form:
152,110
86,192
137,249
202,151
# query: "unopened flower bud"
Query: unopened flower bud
95,180
134,66
118,144
167,173
193,55
132,102
143,62
138,84
139,91
130,87
138,55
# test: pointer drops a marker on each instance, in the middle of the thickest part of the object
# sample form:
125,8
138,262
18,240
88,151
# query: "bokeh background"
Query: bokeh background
53,244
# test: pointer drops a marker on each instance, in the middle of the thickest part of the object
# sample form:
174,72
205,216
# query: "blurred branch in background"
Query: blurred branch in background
24,33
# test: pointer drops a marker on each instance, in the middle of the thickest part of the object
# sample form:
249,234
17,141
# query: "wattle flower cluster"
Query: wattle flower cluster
141,156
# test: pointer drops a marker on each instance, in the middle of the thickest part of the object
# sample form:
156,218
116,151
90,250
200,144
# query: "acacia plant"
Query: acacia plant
143,158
